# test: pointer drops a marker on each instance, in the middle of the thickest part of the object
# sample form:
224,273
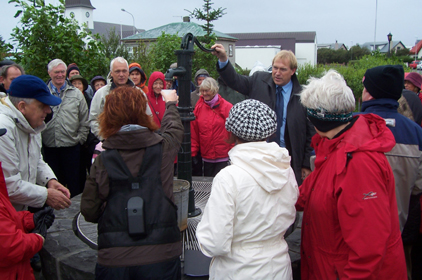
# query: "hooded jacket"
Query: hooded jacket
350,228
17,245
250,208
25,171
131,146
208,131
156,102
194,95
69,125
142,85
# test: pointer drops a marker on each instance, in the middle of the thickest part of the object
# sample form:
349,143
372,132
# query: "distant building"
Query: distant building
417,48
262,47
181,28
334,46
83,12
382,47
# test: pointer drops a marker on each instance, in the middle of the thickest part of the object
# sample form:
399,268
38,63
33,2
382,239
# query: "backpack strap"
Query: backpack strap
153,156
115,166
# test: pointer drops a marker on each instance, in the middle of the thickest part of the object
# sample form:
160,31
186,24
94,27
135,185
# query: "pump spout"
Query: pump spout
179,72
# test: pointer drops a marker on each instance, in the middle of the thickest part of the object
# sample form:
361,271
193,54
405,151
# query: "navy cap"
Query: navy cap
2,131
28,86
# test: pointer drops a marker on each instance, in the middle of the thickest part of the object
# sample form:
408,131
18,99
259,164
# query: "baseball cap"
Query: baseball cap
28,86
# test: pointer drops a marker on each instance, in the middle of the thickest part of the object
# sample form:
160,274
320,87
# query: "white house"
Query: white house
262,47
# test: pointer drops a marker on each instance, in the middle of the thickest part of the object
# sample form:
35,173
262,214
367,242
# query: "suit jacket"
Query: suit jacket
299,130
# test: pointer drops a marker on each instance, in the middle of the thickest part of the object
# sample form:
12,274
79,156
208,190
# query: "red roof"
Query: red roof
417,47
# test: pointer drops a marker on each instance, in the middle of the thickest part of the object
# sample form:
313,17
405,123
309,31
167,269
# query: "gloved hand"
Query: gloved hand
194,160
43,219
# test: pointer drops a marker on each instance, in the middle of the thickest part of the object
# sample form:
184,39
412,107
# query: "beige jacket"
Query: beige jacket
69,125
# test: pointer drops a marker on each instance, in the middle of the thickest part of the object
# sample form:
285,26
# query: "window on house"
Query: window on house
230,50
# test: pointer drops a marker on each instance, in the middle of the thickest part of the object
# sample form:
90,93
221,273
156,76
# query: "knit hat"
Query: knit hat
251,120
96,78
135,66
415,79
71,67
6,62
79,77
27,86
384,81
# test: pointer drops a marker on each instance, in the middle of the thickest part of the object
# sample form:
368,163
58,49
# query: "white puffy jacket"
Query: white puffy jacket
24,169
251,206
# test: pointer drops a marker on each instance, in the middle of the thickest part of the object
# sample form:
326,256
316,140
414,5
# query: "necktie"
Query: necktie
279,108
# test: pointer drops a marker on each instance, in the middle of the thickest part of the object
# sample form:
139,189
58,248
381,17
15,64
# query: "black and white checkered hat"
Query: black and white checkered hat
251,120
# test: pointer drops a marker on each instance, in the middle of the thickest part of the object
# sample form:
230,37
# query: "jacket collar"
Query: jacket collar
134,139
380,104
10,110
129,83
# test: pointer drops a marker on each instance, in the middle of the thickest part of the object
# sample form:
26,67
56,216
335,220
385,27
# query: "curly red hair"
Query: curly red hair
124,105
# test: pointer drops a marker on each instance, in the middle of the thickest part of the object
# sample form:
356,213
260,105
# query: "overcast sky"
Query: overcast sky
347,21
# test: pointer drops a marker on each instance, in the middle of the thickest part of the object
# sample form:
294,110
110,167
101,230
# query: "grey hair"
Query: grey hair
330,92
118,59
209,84
5,68
54,63
15,100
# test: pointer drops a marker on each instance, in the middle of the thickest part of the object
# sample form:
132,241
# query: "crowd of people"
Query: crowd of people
257,135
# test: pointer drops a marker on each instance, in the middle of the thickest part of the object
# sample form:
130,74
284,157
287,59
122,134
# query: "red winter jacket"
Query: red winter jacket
350,227
156,103
208,131
17,246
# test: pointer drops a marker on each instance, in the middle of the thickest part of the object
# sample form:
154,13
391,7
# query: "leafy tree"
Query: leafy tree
209,15
112,46
47,34
357,52
160,55
141,55
162,52
203,59
5,48
327,56
402,52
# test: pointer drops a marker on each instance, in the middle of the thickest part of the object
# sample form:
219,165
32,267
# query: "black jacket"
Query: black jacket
299,130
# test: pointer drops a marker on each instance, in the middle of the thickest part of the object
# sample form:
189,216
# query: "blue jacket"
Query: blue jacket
406,156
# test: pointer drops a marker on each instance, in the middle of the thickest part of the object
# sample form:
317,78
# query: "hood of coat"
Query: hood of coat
200,72
155,76
267,163
134,139
369,133
144,76
8,109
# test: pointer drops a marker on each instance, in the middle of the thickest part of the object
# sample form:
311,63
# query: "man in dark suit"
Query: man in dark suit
279,90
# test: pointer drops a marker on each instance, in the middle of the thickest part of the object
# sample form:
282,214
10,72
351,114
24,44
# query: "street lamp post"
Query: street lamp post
389,37
123,10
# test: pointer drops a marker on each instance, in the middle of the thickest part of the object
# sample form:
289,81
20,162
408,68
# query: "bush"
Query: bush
352,73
